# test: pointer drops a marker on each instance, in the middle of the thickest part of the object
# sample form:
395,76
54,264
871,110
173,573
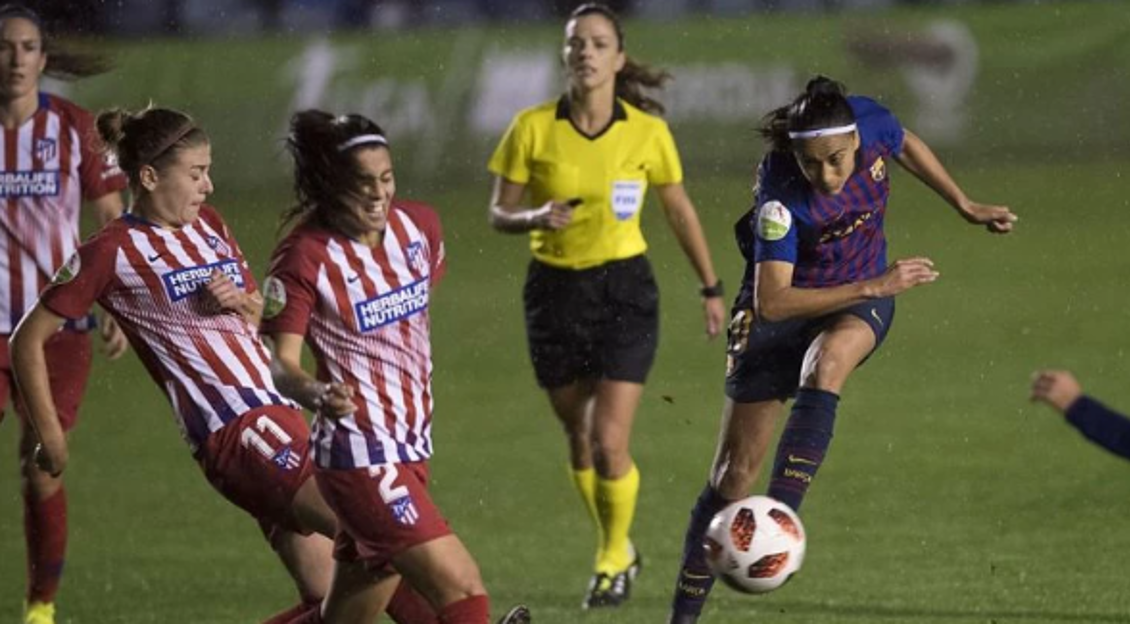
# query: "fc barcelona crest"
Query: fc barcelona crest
879,170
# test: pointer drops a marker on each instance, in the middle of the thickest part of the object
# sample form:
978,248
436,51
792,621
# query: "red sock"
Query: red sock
473,610
409,607
292,614
45,531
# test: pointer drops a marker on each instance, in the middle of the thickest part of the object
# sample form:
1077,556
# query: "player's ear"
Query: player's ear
148,175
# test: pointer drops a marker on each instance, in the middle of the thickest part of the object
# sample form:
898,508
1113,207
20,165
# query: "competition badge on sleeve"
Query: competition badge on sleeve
69,270
773,221
274,297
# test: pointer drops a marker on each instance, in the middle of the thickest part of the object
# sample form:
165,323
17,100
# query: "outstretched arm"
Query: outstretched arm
683,219
1097,422
776,299
917,158
29,364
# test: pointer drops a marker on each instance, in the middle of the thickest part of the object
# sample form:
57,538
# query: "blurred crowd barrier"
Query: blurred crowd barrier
998,82
227,17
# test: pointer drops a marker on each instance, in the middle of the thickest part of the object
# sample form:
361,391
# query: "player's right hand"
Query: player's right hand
903,275
1057,388
553,215
335,400
51,458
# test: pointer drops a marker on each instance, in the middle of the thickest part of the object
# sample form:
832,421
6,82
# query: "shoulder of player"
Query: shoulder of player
643,120
66,109
418,212
544,112
210,215
780,178
868,114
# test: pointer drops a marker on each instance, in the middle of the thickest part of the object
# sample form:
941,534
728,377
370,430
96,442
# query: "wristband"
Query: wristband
710,292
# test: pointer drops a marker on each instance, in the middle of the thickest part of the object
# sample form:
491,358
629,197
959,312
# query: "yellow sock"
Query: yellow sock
585,480
616,504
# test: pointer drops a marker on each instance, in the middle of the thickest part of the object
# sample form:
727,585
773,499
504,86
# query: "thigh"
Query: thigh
358,594
836,352
381,511
442,570
259,462
615,409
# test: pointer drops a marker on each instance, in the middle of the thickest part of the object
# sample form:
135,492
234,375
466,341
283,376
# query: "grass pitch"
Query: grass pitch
947,497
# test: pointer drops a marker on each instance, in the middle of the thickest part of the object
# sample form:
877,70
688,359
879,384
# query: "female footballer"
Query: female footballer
573,172
52,164
172,275
817,297
353,280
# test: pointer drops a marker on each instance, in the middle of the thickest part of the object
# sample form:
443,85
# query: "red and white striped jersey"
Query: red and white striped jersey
48,165
211,365
364,313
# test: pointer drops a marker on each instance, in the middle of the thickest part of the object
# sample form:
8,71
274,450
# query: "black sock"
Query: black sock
803,444
695,578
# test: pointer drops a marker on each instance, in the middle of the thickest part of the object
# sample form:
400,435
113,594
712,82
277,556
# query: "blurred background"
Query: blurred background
947,497
221,17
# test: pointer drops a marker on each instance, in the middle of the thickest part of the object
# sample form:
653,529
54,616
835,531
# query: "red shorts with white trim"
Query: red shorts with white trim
381,511
258,461
68,367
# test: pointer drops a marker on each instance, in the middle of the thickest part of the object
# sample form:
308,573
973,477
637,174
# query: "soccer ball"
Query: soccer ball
755,544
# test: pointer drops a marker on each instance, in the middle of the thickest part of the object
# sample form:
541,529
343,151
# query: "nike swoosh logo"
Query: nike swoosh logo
154,257
353,278
875,315
793,459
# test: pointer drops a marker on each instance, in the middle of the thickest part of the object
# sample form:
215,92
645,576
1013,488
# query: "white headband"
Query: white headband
821,132
363,139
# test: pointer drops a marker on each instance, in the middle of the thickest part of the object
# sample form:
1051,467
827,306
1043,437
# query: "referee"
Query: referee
573,173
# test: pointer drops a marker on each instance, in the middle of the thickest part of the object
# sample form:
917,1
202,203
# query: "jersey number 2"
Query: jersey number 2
387,487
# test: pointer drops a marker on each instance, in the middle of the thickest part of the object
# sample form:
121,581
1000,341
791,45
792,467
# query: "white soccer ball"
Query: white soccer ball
755,544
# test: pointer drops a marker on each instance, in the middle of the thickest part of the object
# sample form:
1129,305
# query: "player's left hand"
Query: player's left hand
51,459
114,342
997,219
714,311
224,293
1057,388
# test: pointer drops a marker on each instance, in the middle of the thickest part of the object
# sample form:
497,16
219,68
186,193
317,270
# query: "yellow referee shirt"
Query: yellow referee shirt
610,172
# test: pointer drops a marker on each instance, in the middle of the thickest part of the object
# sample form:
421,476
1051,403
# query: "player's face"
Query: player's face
592,52
180,188
376,186
827,161
22,59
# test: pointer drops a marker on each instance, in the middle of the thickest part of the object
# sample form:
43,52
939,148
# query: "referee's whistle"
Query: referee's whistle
573,203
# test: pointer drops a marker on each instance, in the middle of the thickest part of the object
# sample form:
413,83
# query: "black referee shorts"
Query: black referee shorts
598,323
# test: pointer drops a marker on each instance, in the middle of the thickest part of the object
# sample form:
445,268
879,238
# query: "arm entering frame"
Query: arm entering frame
29,365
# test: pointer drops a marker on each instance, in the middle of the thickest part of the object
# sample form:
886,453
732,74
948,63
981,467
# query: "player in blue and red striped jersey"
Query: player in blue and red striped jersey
173,276
50,164
353,279
817,297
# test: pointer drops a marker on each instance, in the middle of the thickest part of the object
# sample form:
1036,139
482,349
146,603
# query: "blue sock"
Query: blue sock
695,579
803,444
